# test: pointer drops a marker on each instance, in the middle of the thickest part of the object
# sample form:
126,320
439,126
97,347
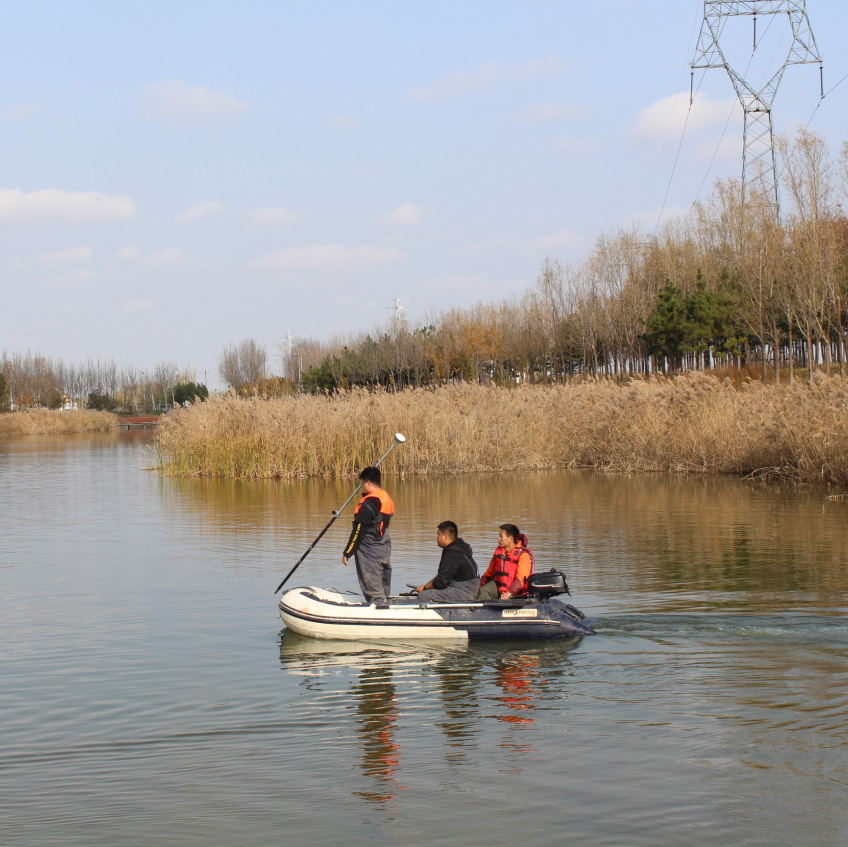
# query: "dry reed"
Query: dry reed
694,423
49,422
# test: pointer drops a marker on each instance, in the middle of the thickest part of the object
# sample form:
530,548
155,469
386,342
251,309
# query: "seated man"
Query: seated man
456,581
510,567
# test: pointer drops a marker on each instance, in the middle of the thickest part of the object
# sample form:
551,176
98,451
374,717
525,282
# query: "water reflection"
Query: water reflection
372,699
643,534
459,684
397,694
376,716
150,699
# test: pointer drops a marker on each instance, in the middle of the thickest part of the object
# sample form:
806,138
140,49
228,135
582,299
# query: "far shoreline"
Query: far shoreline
692,423
55,422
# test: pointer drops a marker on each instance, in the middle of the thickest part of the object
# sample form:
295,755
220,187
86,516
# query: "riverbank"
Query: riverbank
50,422
692,424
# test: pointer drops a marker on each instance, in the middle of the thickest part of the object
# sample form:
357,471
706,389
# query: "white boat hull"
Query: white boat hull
319,613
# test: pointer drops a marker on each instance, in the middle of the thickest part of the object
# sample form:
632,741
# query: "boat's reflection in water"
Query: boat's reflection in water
397,694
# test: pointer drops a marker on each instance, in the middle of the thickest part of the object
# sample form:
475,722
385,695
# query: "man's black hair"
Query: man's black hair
449,527
371,474
511,530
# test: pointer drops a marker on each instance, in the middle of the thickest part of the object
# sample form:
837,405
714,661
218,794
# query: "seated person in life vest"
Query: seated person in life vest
456,581
510,567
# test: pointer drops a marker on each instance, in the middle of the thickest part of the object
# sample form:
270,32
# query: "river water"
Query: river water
151,696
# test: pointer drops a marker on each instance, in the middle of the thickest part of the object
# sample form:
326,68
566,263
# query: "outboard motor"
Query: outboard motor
547,584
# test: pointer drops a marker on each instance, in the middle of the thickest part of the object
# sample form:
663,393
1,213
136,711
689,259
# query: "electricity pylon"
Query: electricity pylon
759,165
399,317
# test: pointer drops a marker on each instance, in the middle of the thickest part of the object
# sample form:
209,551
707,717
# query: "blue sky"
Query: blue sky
175,177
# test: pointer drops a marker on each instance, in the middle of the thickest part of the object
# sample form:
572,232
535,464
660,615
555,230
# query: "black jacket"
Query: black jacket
365,525
457,564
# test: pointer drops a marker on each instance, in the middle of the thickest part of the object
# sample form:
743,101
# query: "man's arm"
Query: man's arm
449,565
522,572
487,577
366,515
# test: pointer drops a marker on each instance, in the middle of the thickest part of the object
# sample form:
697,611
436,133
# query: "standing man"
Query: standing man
456,581
369,541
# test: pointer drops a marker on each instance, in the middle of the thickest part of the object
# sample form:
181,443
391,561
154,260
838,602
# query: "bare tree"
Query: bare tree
242,365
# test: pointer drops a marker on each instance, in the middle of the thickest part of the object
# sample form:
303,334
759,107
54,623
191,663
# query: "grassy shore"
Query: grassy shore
695,423
48,422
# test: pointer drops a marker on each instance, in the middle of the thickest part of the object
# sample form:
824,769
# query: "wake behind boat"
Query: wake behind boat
320,613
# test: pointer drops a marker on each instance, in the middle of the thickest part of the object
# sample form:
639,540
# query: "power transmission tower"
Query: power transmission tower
759,165
287,351
399,318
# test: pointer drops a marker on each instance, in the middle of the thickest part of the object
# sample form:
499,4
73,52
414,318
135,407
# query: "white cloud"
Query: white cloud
128,254
63,258
15,114
18,206
730,147
173,257
406,215
485,77
271,217
344,122
555,112
469,288
178,101
569,144
328,257
669,115
652,218
563,240
72,278
201,210
139,304
451,283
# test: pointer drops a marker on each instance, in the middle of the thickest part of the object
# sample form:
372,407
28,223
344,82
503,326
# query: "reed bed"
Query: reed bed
695,423
49,422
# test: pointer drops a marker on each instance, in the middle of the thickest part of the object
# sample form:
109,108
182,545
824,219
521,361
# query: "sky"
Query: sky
176,177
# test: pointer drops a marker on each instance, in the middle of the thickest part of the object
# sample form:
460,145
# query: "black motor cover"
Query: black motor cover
547,584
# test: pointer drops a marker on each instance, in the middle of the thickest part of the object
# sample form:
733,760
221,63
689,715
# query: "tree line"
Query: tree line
732,284
30,380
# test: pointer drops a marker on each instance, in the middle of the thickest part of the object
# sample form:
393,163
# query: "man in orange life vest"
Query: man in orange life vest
369,541
510,567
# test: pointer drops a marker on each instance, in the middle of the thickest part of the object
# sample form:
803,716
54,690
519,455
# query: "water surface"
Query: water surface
151,696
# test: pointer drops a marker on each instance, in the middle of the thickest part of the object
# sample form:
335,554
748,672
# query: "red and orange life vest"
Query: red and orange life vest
380,524
506,567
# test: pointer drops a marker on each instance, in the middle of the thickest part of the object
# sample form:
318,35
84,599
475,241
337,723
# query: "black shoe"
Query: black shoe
381,604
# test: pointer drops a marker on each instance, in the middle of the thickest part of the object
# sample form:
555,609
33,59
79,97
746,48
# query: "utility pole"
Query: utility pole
399,318
287,349
759,165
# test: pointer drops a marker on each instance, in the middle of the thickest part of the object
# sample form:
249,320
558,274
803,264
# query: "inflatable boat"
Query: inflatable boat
320,613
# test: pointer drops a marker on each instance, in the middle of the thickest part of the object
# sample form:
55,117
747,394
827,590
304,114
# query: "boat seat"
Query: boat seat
512,603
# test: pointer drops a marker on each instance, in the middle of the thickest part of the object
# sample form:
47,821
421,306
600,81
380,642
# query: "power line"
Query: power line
673,169
821,100
692,96
835,86
715,153
807,125
670,117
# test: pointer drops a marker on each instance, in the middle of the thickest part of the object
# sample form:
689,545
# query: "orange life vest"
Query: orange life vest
380,524
506,566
